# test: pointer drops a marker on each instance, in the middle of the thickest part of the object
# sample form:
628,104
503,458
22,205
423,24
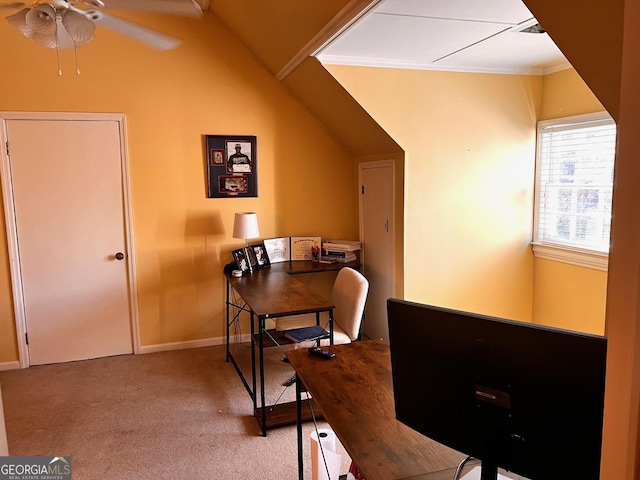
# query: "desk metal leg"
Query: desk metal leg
299,427
331,327
228,307
253,360
261,324
234,311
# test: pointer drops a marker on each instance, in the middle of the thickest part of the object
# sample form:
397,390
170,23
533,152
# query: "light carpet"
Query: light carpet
169,415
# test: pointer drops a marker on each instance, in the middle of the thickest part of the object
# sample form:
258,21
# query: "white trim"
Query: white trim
576,120
557,68
128,221
12,246
11,226
15,365
205,342
326,59
574,256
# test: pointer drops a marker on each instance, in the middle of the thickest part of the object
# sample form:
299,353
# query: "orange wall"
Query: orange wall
469,141
435,117
564,295
209,85
565,94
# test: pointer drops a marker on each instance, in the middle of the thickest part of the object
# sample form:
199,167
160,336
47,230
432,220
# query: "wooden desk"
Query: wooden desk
270,293
355,394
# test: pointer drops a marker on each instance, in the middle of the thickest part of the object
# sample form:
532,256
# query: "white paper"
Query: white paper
324,458
278,249
475,473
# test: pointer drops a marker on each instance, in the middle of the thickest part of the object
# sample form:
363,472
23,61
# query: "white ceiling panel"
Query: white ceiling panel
459,35
504,52
408,39
497,11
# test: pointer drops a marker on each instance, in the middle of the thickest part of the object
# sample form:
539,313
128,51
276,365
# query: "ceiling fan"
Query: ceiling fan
72,23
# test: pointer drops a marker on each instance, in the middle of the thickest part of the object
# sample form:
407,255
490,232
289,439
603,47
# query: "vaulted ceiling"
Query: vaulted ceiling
283,34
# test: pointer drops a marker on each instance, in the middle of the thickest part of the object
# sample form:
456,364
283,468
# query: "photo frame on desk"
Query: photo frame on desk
240,257
303,248
278,249
262,257
232,166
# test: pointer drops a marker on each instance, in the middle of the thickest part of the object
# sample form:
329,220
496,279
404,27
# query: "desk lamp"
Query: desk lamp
245,225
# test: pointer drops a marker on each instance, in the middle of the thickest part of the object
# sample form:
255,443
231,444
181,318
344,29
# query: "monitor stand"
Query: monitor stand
475,473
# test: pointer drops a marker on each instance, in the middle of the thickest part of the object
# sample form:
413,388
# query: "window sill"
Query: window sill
573,256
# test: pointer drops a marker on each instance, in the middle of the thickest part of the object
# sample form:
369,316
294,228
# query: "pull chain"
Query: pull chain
75,53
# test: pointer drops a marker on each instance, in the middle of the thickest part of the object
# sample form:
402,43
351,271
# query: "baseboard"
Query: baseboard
15,365
165,347
162,347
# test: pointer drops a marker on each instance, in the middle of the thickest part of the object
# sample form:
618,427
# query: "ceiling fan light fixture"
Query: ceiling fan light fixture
80,28
45,39
95,3
42,19
19,20
62,24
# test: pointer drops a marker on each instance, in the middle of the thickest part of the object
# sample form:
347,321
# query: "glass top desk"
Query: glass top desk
268,293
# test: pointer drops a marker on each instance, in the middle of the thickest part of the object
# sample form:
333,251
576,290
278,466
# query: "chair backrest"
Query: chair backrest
349,295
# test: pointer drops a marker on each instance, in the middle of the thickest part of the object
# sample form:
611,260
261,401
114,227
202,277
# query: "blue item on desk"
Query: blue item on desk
307,334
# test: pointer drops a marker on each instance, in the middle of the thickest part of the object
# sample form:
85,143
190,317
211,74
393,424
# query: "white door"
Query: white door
377,225
67,183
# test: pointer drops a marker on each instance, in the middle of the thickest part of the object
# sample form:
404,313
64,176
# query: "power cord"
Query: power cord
456,475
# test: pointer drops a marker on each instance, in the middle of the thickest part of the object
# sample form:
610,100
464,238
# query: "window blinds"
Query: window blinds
575,182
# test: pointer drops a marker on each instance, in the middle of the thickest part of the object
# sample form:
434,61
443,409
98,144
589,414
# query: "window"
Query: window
574,187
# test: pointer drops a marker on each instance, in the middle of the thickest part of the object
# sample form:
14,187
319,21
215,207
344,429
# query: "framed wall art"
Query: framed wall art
232,166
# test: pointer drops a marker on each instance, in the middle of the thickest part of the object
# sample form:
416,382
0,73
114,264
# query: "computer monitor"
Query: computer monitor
518,396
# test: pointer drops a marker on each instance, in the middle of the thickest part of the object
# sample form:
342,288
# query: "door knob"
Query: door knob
119,256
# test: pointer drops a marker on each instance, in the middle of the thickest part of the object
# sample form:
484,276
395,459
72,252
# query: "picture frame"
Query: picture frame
233,184
253,261
217,157
306,248
240,257
278,249
232,166
261,255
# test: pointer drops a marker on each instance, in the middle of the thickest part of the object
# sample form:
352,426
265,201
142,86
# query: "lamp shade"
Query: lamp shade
245,225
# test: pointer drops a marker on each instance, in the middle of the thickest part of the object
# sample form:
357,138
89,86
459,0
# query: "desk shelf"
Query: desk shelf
285,414
278,336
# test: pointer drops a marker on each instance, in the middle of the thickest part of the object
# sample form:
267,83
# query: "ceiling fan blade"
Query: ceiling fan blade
145,35
187,8
13,5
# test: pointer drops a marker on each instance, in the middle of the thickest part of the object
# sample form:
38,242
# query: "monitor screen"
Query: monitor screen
518,396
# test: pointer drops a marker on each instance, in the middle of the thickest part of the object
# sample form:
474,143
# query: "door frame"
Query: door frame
380,164
11,225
